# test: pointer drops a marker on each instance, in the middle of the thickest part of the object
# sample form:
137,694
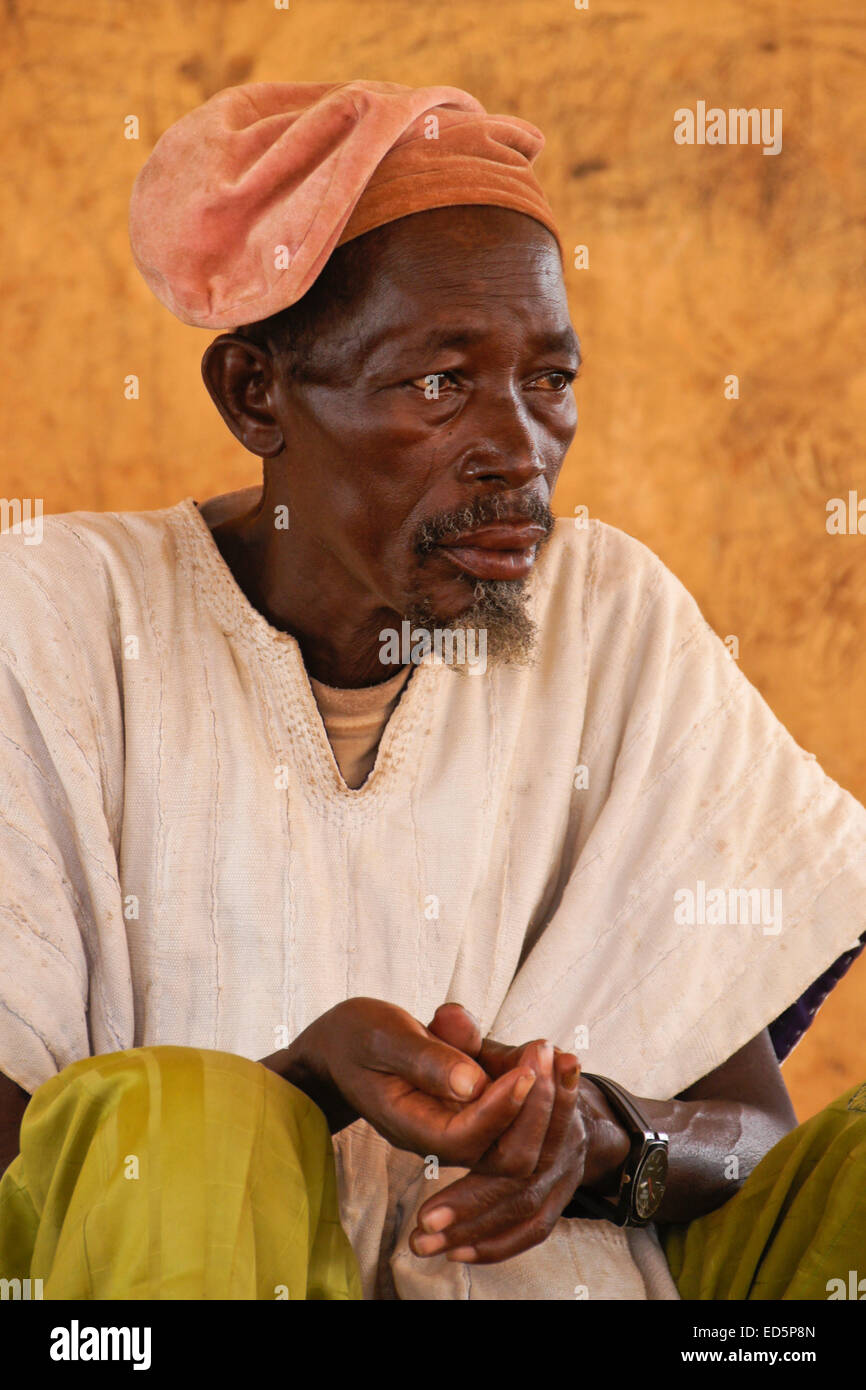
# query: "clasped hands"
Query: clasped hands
516,1117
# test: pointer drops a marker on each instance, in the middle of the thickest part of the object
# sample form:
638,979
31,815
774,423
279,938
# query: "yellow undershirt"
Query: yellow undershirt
355,720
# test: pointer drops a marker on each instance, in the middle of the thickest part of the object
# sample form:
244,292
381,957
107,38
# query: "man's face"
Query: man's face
439,403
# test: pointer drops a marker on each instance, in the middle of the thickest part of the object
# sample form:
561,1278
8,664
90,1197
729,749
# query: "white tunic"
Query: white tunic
182,863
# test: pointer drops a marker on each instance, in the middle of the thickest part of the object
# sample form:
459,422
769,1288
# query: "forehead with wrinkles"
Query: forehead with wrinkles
404,284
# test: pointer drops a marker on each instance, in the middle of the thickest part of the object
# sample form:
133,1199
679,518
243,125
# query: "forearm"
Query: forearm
714,1146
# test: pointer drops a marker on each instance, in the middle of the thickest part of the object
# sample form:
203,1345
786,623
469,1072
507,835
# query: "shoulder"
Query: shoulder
593,548
88,541
72,585
612,576
79,561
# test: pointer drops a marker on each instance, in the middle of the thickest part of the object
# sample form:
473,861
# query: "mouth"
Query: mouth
499,551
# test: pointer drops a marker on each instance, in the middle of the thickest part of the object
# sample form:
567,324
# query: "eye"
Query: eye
559,381
434,384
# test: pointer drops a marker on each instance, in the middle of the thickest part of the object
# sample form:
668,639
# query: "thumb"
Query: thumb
456,1026
431,1066
497,1058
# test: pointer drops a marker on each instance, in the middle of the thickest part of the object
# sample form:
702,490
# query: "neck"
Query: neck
301,588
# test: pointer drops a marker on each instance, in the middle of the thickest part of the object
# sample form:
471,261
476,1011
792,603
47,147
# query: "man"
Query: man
241,825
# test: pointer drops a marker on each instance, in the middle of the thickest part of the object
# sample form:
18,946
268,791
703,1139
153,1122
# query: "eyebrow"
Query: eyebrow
459,336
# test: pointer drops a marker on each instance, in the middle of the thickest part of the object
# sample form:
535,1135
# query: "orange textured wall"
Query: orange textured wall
703,262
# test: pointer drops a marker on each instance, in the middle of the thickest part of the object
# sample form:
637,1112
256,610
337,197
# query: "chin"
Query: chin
496,608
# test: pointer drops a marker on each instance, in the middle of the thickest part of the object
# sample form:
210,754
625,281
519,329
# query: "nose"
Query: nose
504,450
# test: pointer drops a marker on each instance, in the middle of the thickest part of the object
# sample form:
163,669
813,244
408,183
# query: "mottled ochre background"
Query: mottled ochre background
703,262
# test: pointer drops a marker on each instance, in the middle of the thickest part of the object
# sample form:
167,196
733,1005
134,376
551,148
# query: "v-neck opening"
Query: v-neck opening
279,656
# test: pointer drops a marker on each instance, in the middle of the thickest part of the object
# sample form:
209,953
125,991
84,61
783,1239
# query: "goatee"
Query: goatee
499,607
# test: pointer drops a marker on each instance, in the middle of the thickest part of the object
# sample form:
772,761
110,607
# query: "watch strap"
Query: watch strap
642,1134
621,1101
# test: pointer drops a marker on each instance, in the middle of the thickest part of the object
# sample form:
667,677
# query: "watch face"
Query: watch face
650,1186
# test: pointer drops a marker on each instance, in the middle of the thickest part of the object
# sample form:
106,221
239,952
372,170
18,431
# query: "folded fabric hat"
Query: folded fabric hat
243,200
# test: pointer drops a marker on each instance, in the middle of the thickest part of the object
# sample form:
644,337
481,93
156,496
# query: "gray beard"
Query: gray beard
500,609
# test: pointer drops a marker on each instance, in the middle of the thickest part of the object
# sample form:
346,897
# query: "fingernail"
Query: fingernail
428,1245
523,1087
463,1079
545,1059
571,1079
437,1219
465,1254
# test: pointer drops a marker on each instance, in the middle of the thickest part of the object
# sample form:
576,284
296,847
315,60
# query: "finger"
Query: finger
458,1207
455,1025
467,1199
471,1196
460,1135
516,1152
557,1144
428,1064
504,1246
561,1131
500,1233
475,1207
567,1065
496,1057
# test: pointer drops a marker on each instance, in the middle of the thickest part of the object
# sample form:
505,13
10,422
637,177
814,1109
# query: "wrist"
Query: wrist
304,1064
608,1142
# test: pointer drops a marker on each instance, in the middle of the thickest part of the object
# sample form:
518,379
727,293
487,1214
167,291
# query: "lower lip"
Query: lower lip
491,564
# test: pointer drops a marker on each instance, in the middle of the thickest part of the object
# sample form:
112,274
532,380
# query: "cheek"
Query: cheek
385,486
558,435
373,518
562,423
552,472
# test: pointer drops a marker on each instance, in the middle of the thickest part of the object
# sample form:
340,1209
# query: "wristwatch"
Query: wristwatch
644,1173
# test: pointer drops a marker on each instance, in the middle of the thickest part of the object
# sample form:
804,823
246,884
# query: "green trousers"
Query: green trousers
181,1173
797,1226
174,1173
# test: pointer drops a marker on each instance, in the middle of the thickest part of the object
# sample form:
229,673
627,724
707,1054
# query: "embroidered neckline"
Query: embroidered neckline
279,656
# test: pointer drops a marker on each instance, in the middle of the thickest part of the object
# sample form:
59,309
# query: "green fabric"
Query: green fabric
181,1173
174,1173
798,1221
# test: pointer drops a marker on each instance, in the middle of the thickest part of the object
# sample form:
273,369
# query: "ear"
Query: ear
241,380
